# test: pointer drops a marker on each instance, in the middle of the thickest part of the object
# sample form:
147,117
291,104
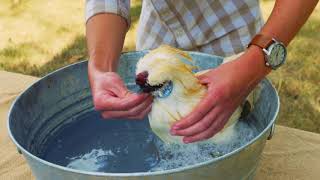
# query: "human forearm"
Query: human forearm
105,36
230,83
287,17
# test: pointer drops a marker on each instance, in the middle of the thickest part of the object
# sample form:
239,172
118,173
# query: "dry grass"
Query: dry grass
37,37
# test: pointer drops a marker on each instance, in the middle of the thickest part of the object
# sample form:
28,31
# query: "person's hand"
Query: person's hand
113,99
105,34
228,85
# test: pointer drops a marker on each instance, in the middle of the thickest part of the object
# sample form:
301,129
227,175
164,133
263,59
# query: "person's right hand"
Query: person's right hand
114,100
105,34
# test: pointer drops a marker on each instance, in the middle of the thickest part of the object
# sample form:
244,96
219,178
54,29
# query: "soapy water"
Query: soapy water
97,145
179,155
92,160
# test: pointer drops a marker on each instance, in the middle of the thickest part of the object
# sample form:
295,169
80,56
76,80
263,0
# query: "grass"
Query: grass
37,37
298,82
34,32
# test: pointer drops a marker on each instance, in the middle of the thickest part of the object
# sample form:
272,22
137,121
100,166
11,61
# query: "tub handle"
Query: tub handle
271,132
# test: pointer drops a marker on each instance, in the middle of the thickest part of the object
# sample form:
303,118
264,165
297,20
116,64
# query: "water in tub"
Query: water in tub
93,144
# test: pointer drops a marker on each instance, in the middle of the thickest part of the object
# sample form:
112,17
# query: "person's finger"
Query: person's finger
199,126
204,106
135,111
207,121
215,127
142,114
107,102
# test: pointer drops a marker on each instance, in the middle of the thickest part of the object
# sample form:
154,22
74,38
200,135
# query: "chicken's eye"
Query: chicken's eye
164,91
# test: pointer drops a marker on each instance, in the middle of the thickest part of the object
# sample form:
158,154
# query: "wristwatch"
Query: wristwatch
275,52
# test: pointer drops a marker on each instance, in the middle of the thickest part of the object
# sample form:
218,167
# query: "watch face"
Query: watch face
277,55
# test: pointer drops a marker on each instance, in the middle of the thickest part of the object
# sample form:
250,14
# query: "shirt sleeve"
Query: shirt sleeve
119,7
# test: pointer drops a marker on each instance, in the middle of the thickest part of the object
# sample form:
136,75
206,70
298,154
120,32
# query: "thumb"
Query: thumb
116,85
121,90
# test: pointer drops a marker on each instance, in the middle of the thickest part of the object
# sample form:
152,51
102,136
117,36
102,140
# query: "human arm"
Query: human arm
229,84
105,33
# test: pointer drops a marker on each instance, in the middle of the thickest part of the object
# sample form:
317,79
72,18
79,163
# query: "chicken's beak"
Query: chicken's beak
142,82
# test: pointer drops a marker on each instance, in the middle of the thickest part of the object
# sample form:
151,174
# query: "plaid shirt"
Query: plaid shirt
220,27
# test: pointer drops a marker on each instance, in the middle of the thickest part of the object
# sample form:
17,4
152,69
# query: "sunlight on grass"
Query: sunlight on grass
40,29
37,37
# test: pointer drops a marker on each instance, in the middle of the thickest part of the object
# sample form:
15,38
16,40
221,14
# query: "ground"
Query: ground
37,37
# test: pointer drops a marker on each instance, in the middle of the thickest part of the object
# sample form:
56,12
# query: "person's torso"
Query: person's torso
221,27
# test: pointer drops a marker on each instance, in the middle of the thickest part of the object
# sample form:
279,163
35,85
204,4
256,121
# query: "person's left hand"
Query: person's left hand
228,85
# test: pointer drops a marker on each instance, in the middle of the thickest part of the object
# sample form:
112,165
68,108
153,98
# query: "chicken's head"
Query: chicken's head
162,68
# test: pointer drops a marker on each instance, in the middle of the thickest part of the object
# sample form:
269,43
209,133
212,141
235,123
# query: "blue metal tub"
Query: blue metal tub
62,97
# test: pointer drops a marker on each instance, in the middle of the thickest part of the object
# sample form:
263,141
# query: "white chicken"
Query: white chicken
176,90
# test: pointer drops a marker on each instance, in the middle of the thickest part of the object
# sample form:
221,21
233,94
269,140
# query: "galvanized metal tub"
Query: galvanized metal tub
60,98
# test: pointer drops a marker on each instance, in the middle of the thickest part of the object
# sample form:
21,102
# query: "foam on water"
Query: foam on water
91,161
179,155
